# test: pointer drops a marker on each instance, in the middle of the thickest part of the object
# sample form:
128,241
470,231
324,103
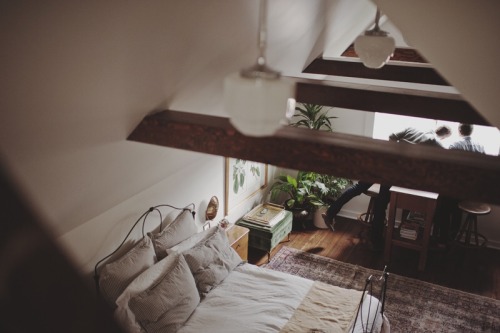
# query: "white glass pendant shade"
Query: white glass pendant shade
256,106
375,46
374,51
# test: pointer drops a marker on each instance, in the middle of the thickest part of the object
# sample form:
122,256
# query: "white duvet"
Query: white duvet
256,300
252,299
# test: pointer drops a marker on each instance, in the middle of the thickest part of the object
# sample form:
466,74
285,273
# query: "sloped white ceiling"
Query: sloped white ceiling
77,76
460,39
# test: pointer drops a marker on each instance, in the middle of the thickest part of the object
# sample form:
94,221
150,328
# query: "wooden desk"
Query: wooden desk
414,201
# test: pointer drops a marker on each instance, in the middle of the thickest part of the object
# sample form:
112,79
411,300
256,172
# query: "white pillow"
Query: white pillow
165,306
116,276
181,228
191,241
211,260
149,277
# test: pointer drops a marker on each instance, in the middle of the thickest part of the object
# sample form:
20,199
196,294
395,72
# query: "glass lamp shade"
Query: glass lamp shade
373,50
256,106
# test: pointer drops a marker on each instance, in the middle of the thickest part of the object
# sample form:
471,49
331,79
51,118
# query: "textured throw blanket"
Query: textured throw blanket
325,308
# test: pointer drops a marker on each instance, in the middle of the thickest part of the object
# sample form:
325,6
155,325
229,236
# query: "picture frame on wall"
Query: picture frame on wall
245,182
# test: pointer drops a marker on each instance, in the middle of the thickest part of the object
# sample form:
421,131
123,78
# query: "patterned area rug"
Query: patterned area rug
411,305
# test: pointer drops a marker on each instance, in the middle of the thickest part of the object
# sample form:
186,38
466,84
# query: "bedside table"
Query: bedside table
238,238
265,238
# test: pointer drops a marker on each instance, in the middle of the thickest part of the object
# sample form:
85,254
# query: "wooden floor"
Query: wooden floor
474,271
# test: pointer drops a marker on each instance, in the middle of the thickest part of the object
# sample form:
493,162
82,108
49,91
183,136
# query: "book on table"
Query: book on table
267,214
409,229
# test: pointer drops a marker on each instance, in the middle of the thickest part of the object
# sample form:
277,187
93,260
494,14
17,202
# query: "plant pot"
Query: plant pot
318,220
300,218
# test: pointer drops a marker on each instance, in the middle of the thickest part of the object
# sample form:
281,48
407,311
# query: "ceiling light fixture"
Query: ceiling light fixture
375,46
256,97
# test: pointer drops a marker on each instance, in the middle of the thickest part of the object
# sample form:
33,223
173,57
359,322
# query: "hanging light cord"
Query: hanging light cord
376,31
260,69
261,60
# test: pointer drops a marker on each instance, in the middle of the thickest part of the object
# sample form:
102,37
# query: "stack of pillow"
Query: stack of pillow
156,285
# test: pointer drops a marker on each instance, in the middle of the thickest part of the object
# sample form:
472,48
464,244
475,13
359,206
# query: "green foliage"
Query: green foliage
308,190
313,117
334,187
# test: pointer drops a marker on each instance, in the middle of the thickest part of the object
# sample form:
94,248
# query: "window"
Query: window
385,124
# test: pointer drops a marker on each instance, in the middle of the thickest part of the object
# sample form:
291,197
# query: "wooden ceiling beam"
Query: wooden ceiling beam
455,173
375,98
392,71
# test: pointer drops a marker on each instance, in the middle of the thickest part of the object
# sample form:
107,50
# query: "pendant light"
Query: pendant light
375,46
256,97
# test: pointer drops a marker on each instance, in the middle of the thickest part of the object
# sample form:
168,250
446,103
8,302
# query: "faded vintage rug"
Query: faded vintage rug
411,305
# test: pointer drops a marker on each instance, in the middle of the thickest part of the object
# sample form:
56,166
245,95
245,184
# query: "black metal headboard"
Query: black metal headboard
143,217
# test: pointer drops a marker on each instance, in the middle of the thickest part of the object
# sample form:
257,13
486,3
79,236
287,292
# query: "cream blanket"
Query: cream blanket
325,308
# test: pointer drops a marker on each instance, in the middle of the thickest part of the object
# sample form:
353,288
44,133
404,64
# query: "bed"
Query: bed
178,279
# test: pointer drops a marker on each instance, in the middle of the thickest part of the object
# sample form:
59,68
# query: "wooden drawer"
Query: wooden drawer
238,238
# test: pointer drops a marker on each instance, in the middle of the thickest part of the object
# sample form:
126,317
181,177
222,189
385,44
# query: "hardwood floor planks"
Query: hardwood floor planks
474,271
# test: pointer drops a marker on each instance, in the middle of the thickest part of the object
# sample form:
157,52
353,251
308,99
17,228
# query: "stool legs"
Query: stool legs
367,217
469,228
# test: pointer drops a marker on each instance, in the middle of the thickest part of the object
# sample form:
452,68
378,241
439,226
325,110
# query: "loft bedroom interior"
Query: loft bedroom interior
79,78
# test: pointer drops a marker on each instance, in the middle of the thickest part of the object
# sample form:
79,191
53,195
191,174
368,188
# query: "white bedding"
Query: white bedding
252,299
206,288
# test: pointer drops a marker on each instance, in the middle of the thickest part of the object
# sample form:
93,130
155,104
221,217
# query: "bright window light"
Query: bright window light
386,124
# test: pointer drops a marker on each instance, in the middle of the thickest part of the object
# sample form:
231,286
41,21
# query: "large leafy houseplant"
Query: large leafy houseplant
303,192
308,190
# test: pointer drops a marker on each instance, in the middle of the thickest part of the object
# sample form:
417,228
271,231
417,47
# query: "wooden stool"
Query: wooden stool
366,218
469,227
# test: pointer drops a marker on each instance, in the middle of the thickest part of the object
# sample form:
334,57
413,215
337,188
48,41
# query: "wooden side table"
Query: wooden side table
238,238
414,201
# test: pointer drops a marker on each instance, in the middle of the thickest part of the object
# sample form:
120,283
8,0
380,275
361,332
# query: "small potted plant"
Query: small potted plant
312,116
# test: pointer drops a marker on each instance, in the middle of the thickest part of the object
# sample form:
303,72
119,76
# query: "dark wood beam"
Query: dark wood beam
375,98
455,173
392,71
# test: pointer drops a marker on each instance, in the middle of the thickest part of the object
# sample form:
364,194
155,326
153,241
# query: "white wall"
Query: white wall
77,77
195,183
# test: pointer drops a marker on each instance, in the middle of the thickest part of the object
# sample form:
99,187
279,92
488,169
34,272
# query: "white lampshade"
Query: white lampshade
374,50
256,106
375,46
